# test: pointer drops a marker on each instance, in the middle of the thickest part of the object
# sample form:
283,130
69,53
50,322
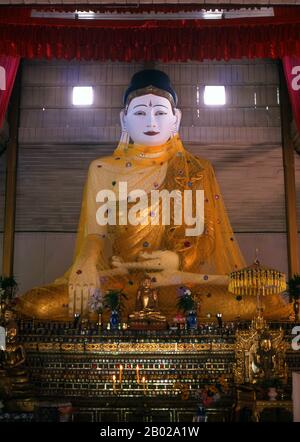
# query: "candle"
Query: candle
114,383
144,384
138,374
121,374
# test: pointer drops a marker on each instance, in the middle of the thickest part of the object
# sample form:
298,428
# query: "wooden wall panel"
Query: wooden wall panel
51,179
50,186
251,181
271,249
41,257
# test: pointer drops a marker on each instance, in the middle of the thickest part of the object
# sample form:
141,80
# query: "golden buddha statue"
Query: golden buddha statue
121,235
14,353
14,379
264,359
147,303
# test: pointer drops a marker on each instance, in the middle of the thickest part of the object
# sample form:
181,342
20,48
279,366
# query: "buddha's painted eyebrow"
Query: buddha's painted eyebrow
145,105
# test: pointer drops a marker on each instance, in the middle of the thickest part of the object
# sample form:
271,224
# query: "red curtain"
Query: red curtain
8,70
291,67
165,40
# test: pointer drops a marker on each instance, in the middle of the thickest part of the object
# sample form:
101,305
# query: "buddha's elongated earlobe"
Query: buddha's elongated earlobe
123,120
124,135
124,139
175,126
178,119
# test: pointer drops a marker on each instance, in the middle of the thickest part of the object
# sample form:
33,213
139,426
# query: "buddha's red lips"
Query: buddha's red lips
151,133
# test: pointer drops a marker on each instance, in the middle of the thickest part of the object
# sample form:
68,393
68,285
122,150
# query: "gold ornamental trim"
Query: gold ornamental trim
222,347
48,346
72,347
31,346
128,347
93,347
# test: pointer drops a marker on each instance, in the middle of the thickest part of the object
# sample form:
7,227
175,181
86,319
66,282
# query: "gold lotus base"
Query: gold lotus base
144,324
147,321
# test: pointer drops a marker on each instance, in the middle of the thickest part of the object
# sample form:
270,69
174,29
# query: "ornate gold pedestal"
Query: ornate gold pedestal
260,354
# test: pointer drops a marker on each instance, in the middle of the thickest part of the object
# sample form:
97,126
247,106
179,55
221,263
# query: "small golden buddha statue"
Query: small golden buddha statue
147,303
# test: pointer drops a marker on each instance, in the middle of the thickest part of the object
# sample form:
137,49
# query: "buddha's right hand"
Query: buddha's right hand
83,281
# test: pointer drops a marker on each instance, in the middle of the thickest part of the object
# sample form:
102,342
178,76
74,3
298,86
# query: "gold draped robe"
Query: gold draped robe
215,252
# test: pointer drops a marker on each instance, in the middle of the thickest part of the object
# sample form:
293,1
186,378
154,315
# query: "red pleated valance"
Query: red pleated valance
167,40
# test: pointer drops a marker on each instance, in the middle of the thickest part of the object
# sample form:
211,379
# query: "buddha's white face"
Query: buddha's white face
150,120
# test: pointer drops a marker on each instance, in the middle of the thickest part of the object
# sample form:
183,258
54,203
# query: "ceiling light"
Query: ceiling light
214,95
83,95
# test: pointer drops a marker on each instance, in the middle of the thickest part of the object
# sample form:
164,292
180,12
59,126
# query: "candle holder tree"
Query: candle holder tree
257,280
260,352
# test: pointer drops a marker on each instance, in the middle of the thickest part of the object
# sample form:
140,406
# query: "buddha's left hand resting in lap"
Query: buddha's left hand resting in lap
125,231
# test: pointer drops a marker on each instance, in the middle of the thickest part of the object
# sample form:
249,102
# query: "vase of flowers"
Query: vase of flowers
188,305
114,319
96,305
191,320
114,301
